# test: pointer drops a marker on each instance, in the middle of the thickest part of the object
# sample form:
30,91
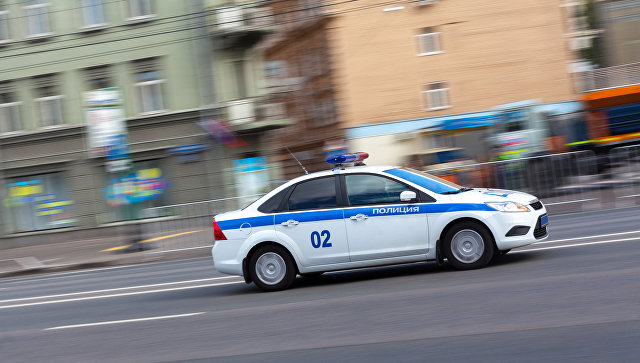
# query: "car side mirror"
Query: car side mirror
408,196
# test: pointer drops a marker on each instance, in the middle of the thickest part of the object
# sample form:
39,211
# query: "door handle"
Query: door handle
359,217
290,223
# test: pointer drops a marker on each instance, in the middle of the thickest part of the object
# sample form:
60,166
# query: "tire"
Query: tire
504,252
271,268
468,245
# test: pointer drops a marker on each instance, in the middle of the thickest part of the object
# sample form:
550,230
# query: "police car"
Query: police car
361,216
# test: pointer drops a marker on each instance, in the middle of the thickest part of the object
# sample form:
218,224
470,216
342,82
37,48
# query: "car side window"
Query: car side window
373,189
314,194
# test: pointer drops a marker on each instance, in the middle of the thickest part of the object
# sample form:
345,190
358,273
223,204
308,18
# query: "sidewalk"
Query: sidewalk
104,252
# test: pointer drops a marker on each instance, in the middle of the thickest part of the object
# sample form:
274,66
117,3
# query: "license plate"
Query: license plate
544,220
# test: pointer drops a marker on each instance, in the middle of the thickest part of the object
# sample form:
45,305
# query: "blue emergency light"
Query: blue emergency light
347,158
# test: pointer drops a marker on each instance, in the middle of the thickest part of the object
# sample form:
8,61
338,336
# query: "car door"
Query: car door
378,224
313,222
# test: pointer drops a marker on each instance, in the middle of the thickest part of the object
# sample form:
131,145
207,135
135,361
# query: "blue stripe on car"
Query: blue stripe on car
339,213
311,216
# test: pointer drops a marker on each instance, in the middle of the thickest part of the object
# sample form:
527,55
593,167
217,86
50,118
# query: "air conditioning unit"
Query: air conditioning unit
425,2
240,112
230,18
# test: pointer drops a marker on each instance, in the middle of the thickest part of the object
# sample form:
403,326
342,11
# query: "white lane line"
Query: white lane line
62,275
118,295
116,289
630,196
181,249
124,321
571,201
577,245
588,237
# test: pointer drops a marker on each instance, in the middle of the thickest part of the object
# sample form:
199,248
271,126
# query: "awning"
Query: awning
612,97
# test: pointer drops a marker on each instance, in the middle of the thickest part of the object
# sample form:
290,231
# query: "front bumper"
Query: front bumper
503,223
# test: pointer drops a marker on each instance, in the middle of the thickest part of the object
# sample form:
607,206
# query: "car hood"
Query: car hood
482,195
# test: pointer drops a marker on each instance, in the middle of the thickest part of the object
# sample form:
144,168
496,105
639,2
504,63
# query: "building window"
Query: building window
149,85
139,9
92,13
38,202
48,102
98,78
37,14
275,69
239,71
9,112
428,41
323,112
437,95
4,26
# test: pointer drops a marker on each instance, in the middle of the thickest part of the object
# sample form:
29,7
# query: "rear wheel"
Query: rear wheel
468,245
272,268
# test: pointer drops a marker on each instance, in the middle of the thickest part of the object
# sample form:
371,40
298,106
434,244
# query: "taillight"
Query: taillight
217,232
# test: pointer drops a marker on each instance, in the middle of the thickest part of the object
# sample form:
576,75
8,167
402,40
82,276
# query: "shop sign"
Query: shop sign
145,184
251,176
37,204
188,153
106,123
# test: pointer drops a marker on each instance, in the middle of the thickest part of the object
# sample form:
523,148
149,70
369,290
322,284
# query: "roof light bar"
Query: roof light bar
347,158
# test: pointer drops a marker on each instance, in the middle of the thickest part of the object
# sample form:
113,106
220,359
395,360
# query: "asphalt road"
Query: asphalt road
574,297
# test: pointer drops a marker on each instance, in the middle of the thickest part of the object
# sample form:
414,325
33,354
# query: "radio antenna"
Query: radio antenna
299,163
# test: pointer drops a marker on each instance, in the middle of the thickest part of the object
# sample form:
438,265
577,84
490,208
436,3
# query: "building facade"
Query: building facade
411,76
300,80
620,22
70,66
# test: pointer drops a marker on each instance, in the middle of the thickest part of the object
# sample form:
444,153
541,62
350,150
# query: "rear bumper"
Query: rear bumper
225,258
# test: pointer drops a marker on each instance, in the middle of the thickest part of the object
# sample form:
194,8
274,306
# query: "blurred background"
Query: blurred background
145,118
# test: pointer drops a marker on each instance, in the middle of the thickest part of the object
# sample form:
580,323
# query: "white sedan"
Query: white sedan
361,216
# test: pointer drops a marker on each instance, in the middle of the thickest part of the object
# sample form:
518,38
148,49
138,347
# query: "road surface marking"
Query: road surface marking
150,240
63,275
577,245
630,196
124,321
588,237
118,295
181,249
571,201
118,288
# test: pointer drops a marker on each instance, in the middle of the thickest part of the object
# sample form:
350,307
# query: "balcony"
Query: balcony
277,85
610,77
256,114
240,26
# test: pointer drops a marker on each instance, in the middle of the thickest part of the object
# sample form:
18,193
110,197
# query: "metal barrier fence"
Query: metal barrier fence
624,175
564,182
568,182
187,225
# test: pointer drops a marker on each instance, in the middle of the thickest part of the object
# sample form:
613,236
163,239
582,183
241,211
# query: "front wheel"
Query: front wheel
272,268
468,245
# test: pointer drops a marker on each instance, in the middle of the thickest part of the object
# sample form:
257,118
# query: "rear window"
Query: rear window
424,180
272,204
314,194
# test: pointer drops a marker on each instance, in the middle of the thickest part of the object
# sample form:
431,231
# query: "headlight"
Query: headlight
508,206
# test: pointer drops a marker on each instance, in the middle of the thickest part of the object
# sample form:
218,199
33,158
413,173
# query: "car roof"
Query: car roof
347,170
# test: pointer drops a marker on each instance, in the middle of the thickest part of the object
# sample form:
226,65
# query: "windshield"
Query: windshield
425,180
